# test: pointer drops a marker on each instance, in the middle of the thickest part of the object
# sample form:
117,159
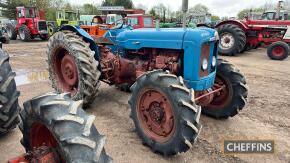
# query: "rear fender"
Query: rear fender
79,31
234,22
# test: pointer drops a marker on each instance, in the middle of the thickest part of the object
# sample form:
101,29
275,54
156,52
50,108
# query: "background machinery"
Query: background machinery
30,24
237,36
63,17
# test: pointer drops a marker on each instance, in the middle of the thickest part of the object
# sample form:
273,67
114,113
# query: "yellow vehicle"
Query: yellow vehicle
63,17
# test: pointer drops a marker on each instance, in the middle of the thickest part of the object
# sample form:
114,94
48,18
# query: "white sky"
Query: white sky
217,7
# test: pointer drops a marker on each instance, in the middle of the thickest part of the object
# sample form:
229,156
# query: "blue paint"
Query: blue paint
188,40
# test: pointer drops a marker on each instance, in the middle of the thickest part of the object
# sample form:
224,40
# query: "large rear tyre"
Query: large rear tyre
232,39
233,97
11,31
72,66
278,51
24,33
9,108
164,114
51,29
58,122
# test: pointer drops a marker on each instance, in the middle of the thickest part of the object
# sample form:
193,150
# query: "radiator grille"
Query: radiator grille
205,54
42,26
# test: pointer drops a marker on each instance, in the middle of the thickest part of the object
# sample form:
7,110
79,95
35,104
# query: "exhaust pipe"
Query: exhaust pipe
279,7
184,10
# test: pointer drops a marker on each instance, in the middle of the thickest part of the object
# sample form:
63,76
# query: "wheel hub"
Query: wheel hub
278,51
222,98
227,41
155,115
66,71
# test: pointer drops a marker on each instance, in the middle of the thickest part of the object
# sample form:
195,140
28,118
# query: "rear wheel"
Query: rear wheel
164,114
9,107
24,33
232,97
11,31
59,123
232,39
72,66
278,50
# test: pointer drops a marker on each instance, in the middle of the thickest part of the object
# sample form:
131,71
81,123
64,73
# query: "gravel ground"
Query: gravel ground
266,115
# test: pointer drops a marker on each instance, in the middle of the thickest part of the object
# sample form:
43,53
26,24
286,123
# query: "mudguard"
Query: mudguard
85,36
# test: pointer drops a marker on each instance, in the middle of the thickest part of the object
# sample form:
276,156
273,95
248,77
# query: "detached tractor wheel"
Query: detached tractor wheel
72,66
24,33
232,40
278,50
9,107
12,32
59,123
164,114
233,97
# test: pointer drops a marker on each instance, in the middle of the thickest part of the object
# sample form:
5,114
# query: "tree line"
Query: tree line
160,11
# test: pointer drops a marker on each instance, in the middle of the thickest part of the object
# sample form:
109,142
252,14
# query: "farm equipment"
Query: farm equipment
63,17
30,24
55,128
237,36
100,24
172,73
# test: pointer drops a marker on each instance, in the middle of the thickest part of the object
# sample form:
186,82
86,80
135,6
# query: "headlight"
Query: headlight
204,64
216,36
213,62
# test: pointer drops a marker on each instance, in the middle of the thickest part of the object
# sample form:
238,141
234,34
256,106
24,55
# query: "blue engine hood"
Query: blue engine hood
170,38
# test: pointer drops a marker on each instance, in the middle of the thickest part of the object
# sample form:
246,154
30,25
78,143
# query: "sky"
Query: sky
221,8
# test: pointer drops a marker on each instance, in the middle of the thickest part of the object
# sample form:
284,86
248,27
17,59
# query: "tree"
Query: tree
89,9
199,8
126,3
8,7
244,12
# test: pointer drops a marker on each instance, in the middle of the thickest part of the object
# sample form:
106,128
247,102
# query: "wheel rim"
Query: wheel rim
227,41
155,115
224,97
278,51
21,34
9,32
40,136
66,71
50,30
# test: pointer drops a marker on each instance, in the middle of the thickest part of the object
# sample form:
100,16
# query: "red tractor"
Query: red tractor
237,36
30,24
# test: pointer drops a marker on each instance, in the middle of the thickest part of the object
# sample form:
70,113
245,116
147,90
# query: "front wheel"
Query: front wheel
164,114
24,33
57,122
232,97
278,51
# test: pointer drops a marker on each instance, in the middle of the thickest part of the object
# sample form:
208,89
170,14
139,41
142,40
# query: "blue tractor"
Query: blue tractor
174,75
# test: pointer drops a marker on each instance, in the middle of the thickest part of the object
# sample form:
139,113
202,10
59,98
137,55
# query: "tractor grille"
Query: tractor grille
205,54
42,26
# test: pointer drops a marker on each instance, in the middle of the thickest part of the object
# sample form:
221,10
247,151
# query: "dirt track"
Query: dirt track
266,116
